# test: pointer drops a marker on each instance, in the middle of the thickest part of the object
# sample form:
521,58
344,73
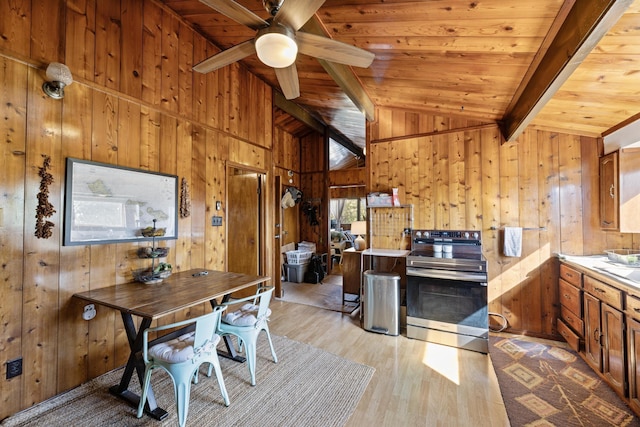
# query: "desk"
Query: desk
150,302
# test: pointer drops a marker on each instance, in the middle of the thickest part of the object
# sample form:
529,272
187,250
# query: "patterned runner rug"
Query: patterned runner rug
544,383
307,387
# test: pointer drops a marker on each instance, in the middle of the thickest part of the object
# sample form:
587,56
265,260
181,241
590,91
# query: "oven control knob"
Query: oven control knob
466,234
426,234
476,235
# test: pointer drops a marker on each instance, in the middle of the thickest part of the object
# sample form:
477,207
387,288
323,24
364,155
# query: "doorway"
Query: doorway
245,213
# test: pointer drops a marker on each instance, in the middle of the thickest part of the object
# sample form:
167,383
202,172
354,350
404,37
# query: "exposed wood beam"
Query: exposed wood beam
299,113
343,75
586,23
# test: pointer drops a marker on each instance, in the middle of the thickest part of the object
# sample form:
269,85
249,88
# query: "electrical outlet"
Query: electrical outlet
216,221
14,368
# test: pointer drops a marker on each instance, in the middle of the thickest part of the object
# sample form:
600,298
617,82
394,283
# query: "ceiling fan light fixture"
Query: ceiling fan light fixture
276,46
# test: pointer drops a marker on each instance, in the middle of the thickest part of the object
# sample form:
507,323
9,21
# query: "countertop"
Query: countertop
629,276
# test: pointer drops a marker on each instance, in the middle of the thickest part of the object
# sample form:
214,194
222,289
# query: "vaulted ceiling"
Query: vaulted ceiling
562,65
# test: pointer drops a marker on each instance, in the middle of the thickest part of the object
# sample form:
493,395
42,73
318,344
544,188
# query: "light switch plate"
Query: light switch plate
216,221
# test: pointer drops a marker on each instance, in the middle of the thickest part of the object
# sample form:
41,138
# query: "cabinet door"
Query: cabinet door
613,355
351,272
592,333
633,336
609,191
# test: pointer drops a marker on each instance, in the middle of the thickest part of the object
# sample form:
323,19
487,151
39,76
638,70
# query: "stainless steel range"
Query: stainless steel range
447,289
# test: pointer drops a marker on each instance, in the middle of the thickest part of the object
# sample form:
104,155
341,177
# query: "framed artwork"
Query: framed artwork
111,204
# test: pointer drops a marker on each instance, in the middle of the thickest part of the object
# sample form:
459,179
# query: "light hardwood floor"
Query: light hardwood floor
415,383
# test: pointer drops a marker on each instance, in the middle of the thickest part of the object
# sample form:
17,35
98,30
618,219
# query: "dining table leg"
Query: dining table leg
136,363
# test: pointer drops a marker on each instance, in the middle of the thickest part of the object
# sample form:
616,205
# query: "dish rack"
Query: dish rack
629,257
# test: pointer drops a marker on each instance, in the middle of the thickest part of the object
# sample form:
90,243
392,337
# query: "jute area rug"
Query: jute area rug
327,295
544,383
307,387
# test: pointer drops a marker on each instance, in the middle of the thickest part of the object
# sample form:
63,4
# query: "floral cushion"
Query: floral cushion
180,349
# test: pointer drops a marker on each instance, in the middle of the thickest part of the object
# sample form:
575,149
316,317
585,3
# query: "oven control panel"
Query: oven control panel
471,235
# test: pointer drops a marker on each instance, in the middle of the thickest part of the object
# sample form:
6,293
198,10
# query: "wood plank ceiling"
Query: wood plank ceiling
454,58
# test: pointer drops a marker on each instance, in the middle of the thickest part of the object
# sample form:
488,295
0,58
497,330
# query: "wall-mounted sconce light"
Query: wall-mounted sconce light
58,76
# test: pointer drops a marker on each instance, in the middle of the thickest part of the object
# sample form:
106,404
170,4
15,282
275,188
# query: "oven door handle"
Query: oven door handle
448,275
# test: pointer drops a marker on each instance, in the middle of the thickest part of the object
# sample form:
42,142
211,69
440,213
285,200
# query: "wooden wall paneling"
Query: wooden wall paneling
80,38
15,25
104,137
529,214
185,72
246,154
151,52
184,160
215,237
423,210
473,180
457,183
549,217
411,194
441,181
73,333
234,105
47,31
397,168
509,216
13,84
107,49
41,256
267,110
570,197
380,164
170,55
491,214
199,80
132,50
197,188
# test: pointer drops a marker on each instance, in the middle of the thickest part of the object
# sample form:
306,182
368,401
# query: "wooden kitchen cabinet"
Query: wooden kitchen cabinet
620,190
604,325
570,325
633,344
609,191
351,272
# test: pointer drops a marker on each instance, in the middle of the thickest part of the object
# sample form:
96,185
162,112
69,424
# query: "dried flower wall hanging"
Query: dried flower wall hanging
45,208
185,200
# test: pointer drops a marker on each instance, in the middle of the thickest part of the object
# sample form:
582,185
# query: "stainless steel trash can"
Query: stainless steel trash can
381,302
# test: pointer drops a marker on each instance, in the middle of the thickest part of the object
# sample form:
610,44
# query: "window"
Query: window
346,211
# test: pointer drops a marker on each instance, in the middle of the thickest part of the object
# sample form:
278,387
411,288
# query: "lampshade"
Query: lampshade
276,46
58,76
358,228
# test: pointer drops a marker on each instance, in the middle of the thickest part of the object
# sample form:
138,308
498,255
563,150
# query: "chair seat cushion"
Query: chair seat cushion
245,316
180,349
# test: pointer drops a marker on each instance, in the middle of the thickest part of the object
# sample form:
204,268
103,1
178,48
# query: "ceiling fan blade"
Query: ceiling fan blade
226,57
288,79
237,12
295,13
332,50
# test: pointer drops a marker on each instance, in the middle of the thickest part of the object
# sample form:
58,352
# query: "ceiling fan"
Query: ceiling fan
278,41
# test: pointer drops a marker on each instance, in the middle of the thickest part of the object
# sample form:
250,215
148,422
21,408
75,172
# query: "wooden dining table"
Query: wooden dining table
151,302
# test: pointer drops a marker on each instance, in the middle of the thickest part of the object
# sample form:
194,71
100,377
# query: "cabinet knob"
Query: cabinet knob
611,193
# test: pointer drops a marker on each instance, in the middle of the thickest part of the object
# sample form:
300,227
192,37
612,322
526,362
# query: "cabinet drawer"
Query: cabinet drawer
633,306
572,320
604,292
570,297
570,337
570,275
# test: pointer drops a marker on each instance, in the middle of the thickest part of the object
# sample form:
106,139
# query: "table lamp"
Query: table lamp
358,228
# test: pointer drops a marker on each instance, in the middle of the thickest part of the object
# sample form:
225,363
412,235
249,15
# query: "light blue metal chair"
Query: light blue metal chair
181,357
247,322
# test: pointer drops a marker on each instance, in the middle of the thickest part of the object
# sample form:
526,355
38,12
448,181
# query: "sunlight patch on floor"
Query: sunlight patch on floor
444,360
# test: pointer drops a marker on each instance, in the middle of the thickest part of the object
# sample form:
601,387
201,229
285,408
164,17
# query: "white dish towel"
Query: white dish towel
513,241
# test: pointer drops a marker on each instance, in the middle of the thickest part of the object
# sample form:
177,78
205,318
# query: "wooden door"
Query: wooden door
592,348
243,223
613,354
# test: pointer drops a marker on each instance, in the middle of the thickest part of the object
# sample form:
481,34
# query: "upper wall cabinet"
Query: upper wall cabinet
620,190
609,191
